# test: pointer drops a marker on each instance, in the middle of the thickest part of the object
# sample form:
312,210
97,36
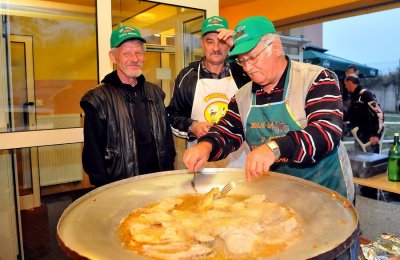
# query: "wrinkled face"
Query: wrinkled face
215,50
259,63
128,58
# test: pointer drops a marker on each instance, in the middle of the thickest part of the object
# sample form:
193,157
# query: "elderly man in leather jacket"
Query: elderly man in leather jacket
126,129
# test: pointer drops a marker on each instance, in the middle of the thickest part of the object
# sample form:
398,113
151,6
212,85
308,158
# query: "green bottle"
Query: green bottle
394,160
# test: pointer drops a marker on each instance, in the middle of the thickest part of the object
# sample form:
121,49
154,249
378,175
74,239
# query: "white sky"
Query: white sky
371,39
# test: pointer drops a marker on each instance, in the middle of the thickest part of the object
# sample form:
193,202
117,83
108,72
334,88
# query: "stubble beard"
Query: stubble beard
134,74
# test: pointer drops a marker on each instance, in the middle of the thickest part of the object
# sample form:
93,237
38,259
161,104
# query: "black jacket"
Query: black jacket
363,114
180,107
111,143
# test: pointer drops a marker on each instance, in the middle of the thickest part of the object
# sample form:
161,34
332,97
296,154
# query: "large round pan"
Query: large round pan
88,227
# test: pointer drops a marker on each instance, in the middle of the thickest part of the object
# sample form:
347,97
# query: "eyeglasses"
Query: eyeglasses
252,59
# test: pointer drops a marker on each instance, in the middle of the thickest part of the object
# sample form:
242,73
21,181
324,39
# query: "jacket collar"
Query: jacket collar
113,79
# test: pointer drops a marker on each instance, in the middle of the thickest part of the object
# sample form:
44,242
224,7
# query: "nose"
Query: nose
133,57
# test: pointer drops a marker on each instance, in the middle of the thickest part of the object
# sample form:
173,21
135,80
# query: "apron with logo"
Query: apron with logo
210,103
266,122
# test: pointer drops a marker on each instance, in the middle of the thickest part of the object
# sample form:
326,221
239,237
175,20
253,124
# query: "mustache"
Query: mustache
129,63
216,53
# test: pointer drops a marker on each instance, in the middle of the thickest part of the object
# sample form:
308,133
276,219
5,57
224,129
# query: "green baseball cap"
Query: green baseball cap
248,32
123,33
212,24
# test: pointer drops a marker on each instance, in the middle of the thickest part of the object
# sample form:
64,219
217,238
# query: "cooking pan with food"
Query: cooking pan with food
88,228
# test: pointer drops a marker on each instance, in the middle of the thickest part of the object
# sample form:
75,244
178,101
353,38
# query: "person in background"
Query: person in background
364,113
351,69
203,89
126,128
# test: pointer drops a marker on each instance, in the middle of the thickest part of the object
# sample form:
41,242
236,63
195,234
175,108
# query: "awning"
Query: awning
317,55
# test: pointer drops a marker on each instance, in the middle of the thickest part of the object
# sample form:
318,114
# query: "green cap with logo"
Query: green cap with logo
248,32
123,33
212,24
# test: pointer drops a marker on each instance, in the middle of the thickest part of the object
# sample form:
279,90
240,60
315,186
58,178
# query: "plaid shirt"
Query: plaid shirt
210,75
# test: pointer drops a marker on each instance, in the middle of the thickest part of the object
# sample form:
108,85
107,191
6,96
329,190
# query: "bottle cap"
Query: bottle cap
396,134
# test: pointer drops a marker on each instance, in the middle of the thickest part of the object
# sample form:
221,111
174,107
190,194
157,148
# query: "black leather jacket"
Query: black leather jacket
362,116
110,148
180,107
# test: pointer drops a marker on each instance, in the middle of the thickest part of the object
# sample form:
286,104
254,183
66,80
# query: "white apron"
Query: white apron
210,103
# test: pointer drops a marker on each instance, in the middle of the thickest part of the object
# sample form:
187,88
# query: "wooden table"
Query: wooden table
379,182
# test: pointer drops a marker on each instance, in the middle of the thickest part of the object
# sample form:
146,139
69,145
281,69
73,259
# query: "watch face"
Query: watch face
272,145
275,149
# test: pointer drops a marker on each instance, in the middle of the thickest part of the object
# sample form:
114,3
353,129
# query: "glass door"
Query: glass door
168,29
9,248
41,83
68,41
173,41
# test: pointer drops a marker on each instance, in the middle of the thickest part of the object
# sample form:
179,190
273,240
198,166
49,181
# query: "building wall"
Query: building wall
312,33
386,98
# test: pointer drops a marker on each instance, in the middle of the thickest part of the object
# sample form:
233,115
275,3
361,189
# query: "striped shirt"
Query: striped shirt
324,111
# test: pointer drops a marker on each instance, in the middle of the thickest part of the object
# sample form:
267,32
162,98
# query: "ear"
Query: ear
277,48
202,42
112,56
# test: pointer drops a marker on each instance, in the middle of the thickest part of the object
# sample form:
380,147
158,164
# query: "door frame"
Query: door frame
31,200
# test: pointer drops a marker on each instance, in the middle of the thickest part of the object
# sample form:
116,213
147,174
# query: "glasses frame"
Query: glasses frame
252,59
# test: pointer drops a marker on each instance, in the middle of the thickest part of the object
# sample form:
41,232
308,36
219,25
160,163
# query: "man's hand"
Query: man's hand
226,36
195,157
200,128
259,161
374,140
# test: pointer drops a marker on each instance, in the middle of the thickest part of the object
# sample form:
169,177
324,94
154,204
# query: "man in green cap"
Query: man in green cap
203,89
126,128
290,115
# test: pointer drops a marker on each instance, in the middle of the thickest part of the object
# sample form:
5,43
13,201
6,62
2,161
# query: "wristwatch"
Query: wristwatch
274,148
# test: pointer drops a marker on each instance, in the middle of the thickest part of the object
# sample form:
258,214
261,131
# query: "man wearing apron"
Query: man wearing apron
204,88
290,115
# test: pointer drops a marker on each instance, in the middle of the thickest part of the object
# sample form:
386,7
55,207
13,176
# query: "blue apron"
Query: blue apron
266,122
